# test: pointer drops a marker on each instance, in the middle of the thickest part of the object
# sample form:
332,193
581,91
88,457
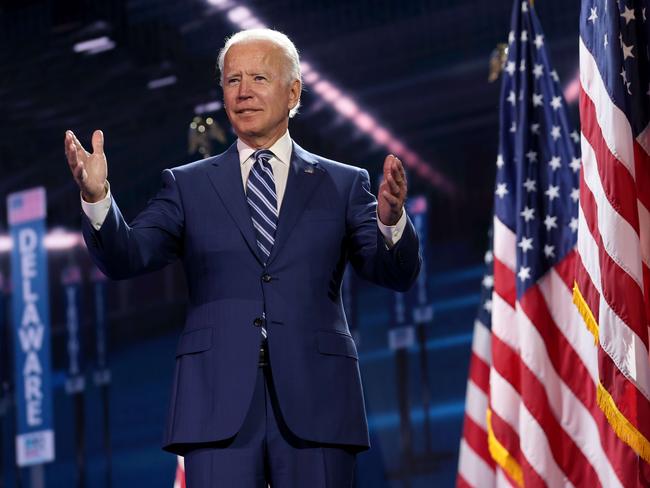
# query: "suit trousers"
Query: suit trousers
265,453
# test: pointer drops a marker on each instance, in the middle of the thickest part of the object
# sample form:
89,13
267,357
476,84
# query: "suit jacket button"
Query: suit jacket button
258,322
266,277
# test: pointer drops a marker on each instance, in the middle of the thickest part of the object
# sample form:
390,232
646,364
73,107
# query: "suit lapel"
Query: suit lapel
304,177
225,175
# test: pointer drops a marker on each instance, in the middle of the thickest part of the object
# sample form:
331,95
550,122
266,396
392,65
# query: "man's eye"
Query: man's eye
232,81
260,78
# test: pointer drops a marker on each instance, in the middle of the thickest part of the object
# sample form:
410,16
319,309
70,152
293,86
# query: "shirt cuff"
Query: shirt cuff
392,233
97,212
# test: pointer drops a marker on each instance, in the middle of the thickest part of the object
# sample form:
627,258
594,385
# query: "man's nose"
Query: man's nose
244,90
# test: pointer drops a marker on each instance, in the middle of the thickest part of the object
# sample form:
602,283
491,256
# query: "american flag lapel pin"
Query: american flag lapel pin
309,169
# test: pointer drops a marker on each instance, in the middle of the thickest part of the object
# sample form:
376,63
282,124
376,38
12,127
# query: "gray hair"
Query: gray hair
280,40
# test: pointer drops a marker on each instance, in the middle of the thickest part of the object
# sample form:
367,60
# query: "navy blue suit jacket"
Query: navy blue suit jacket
200,215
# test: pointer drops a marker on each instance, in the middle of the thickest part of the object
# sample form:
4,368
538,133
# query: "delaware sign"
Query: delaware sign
31,318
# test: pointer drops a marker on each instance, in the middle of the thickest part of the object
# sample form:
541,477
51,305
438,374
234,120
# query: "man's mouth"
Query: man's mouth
247,111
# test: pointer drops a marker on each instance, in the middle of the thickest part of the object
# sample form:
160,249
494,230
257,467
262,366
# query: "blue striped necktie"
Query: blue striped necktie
263,201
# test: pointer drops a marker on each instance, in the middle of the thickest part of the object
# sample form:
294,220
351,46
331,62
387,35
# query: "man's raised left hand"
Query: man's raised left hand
392,191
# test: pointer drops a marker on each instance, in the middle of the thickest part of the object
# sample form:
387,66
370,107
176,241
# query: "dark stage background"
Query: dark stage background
408,77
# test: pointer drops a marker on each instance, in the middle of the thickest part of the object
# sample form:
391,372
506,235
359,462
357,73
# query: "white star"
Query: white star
623,75
532,156
528,214
511,98
524,273
627,51
530,185
555,132
550,222
489,257
605,41
502,190
513,127
575,136
556,103
538,70
643,13
488,305
628,15
549,251
575,194
488,281
537,99
511,37
500,161
555,163
510,68
524,6
534,128
573,225
555,76
522,66
593,15
524,36
575,164
539,41
552,192
526,244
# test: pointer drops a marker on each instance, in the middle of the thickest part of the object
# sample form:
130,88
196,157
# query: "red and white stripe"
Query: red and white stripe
543,381
612,275
179,479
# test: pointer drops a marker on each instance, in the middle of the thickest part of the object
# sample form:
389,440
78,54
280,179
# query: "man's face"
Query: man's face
257,95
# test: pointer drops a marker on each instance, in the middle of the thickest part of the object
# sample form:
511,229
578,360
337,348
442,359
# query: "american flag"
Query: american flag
544,426
475,465
179,478
26,205
612,282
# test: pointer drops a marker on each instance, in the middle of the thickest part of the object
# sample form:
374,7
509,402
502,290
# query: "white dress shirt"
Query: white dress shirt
96,212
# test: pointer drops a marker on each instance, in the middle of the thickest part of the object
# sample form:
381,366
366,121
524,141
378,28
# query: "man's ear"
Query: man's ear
294,93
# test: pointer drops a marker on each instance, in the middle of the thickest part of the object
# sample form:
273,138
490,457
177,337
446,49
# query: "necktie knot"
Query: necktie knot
263,156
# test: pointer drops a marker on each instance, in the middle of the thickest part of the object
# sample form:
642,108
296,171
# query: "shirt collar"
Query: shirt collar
281,149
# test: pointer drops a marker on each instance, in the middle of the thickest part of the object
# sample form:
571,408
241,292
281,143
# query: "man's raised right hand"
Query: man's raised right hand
88,170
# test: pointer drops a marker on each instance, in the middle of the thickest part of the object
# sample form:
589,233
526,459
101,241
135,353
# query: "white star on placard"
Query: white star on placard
552,192
555,76
537,99
575,194
524,6
528,214
594,15
575,136
534,128
555,163
524,273
524,36
513,127
526,244
575,164
556,103
532,156
628,15
549,251
550,222
539,41
522,65
555,132
510,68
511,98
489,257
488,305
530,185
605,41
538,70
623,75
511,37
502,190
500,161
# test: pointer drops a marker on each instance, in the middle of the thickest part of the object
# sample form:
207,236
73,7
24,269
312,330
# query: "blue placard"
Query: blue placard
31,319
71,280
102,374
417,299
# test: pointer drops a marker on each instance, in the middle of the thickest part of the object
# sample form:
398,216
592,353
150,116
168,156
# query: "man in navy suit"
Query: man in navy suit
266,387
